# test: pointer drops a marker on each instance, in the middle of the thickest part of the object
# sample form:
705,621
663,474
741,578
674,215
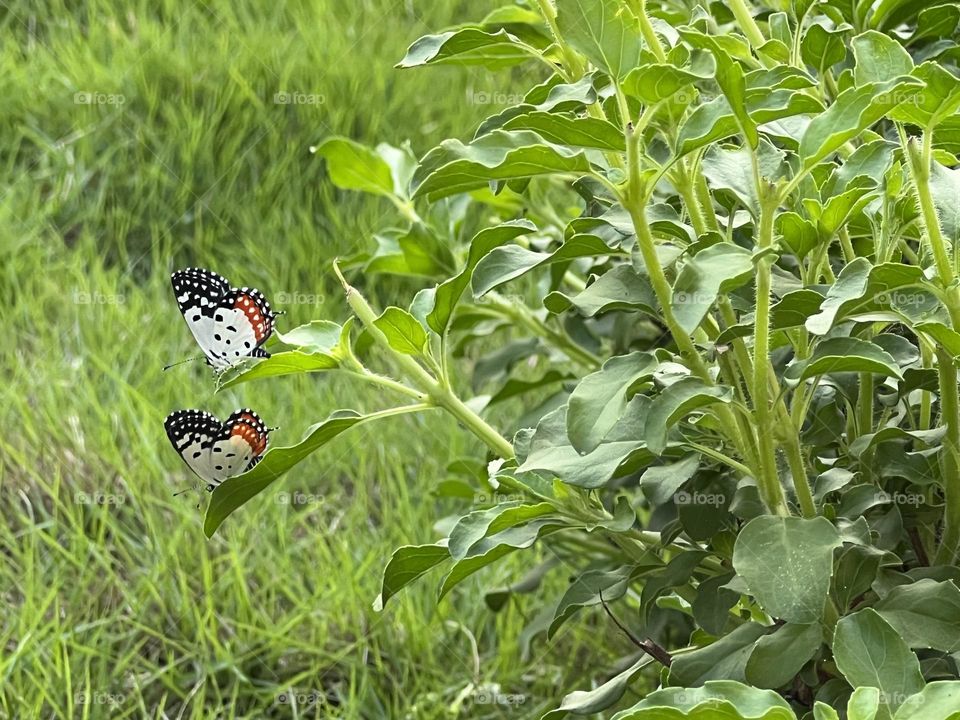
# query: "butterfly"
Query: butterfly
214,450
228,323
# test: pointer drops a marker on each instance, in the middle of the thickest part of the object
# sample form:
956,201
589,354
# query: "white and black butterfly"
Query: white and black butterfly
214,450
229,323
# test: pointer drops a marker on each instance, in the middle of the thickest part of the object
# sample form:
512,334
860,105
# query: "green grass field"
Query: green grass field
177,152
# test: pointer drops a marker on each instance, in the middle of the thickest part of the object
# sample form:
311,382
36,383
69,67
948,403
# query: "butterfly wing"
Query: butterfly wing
217,451
228,324
191,432
199,293
239,446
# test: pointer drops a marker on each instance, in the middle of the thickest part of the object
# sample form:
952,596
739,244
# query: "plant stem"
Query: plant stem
574,66
365,375
920,160
521,315
438,394
950,414
770,487
634,200
639,8
920,163
747,23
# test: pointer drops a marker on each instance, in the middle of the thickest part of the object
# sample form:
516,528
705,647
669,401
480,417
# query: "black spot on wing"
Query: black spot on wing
198,289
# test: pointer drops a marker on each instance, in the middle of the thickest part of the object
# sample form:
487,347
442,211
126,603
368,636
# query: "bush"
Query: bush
728,362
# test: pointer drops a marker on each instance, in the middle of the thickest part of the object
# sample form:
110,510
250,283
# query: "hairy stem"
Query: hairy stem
769,482
438,394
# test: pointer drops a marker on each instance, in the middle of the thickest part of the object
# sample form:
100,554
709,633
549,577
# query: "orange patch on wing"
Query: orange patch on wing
250,435
248,306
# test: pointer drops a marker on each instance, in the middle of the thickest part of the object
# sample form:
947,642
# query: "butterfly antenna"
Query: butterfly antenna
181,362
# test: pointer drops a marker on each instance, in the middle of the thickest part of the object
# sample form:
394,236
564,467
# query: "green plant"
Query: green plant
729,368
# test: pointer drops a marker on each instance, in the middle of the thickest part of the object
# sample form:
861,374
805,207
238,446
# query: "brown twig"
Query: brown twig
648,646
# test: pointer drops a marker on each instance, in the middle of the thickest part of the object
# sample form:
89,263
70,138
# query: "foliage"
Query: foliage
728,374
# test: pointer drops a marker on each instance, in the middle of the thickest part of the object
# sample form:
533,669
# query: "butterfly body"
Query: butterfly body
228,323
216,451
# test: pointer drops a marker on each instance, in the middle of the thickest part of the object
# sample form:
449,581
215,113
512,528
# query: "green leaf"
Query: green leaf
512,261
588,702
824,45
879,58
732,170
726,658
320,344
712,605
404,333
470,47
583,132
676,402
656,81
621,288
926,614
786,563
551,451
454,167
353,166
473,527
854,110
937,701
847,354
407,564
822,711
236,491
415,251
515,387
449,292
661,482
860,286
716,700
586,590
718,269
494,547
284,363
778,657
937,101
600,398
715,120
945,188
869,653
730,78
798,233
604,31
864,704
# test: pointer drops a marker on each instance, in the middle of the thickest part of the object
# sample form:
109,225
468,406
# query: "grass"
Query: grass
114,604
